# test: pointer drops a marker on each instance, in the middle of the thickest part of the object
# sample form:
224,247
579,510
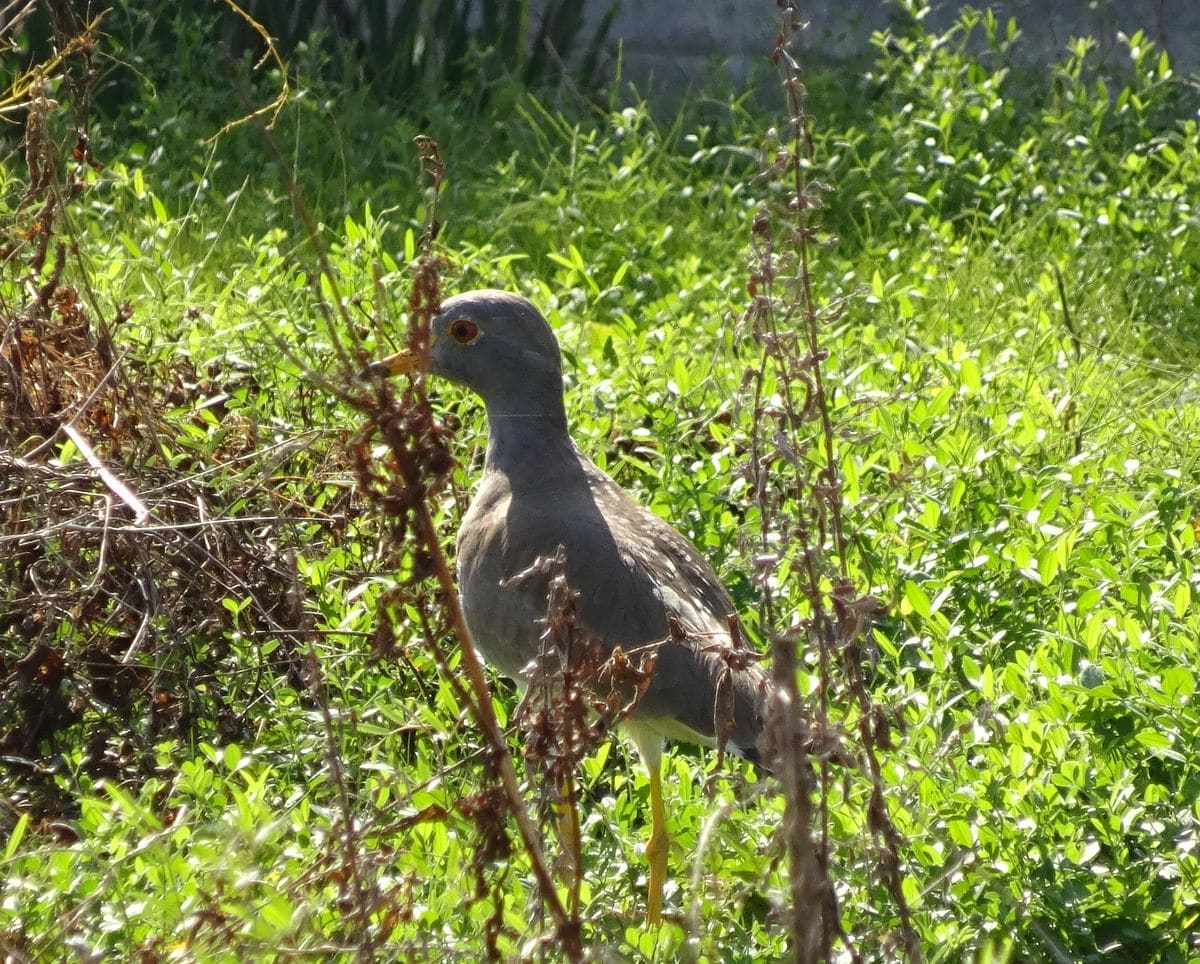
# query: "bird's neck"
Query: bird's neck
527,443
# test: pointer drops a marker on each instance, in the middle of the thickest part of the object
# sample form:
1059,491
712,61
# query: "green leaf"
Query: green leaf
16,835
917,599
609,353
987,683
1047,564
972,379
961,832
1153,739
971,670
1178,683
1087,601
1181,599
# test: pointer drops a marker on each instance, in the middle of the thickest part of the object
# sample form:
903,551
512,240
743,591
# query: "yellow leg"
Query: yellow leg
570,843
650,744
656,846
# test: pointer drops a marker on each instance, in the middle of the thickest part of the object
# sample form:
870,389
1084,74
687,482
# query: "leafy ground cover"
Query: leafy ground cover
1013,377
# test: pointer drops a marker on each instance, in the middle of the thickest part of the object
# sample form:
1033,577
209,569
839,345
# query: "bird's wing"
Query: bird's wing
638,586
703,684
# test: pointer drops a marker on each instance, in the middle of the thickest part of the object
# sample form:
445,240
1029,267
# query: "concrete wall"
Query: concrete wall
666,45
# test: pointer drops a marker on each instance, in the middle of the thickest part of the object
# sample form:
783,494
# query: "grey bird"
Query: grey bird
639,585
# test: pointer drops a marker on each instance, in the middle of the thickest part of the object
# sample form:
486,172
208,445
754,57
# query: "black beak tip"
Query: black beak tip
376,371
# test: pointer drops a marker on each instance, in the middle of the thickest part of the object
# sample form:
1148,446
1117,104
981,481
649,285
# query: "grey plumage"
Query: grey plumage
629,568
639,584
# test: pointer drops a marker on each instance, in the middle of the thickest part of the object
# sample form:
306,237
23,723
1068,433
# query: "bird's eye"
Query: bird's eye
464,331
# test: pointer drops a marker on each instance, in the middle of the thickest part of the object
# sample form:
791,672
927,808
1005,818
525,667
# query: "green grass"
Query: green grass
1023,491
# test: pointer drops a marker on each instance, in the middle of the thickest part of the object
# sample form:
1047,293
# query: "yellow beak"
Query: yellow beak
402,363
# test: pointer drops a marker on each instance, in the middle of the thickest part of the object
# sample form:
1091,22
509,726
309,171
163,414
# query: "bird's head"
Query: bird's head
495,343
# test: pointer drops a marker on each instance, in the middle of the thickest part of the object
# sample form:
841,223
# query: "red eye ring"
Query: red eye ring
463,330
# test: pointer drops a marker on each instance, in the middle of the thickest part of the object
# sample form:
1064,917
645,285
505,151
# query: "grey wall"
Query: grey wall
666,45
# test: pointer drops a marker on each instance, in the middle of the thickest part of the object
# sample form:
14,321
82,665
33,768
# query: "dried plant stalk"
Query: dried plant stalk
795,473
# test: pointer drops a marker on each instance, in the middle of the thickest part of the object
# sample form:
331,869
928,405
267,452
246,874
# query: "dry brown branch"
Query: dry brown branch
418,457
795,473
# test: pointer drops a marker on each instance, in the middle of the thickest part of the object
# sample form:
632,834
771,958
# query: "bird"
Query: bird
639,585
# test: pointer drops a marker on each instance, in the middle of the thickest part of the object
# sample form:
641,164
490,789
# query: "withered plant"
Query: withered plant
796,481
113,563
